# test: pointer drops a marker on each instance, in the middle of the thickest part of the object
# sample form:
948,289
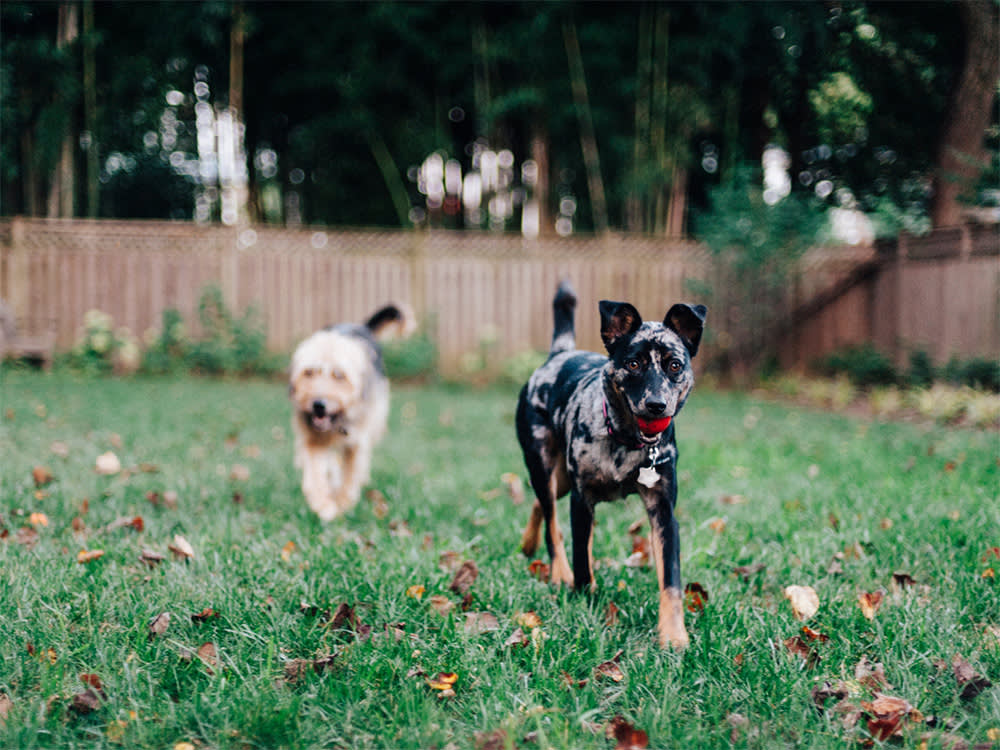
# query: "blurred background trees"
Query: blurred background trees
525,116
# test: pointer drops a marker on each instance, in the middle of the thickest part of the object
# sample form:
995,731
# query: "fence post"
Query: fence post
418,274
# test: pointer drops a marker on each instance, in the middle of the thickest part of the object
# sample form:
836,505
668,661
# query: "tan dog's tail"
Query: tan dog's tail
392,321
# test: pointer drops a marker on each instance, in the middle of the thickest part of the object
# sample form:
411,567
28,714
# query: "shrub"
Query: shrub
100,349
229,344
864,365
410,358
166,349
922,372
978,372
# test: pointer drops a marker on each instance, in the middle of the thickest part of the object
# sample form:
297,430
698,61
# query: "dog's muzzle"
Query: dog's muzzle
321,417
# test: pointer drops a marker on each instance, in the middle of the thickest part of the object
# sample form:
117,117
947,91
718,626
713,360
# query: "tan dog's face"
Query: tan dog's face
326,377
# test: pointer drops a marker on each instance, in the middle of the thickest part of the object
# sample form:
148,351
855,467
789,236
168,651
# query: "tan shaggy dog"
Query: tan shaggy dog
341,403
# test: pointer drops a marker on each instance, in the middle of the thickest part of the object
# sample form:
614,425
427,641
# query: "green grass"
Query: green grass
886,498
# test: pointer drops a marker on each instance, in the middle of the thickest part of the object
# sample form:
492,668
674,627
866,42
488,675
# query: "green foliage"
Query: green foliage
228,344
864,365
814,499
841,108
754,248
168,350
978,372
412,358
101,349
922,371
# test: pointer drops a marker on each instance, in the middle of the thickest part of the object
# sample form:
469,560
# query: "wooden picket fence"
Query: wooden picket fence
476,290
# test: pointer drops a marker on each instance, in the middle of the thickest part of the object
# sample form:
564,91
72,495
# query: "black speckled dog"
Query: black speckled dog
601,428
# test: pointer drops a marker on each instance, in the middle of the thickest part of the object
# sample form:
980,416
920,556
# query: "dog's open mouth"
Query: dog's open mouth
326,422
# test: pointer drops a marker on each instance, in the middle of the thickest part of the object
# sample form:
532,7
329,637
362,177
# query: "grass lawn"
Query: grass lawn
256,656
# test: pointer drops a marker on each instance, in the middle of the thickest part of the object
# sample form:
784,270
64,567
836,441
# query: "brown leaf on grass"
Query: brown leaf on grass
609,669
344,617
695,597
287,551
971,682
181,548
814,635
38,519
517,638
885,715
611,615
477,623
746,572
206,614
538,569
416,591
6,704
626,736
209,656
85,556
821,694
495,740
903,580
158,625
380,506
441,604
86,702
515,487
132,522
26,536
92,680
870,603
871,676
801,648
465,576
42,475
571,682
239,473
641,552
443,681
108,464
151,558
399,529
732,499
449,561
528,620
804,601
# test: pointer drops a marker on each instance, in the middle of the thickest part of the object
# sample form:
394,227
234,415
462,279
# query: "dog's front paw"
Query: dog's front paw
671,628
327,511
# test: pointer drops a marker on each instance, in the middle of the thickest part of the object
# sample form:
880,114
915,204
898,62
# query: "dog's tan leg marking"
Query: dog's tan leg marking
671,616
531,535
561,572
356,465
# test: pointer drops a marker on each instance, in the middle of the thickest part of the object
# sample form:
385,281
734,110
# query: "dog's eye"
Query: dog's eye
338,375
308,372
632,364
675,366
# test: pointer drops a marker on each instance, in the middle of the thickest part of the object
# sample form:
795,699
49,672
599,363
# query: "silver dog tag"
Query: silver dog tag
648,476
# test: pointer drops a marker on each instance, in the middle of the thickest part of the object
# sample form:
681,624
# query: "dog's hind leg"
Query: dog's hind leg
547,486
532,532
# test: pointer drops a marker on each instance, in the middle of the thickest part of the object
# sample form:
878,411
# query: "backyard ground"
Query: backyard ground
165,586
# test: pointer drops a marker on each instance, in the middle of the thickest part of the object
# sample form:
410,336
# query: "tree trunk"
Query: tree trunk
962,156
658,125
540,191
63,185
90,110
588,140
635,211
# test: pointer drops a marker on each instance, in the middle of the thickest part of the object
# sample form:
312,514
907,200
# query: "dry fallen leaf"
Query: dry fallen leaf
6,704
627,737
871,676
528,620
287,550
870,603
86,702
495,740
239,473
971,682
85,556
804,600
158,625
465,576
477,623
206,614
695,597
42,475
798,646
441,604
609,669
814,635
108,464
515,487
517,638
416,591
380,506
746,572
538,569
611,615
443,681
718,525
151,558
885,715
209,656
181,548
38,519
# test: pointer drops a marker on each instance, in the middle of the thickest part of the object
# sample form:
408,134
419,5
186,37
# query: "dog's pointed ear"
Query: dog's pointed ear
617,319
688,322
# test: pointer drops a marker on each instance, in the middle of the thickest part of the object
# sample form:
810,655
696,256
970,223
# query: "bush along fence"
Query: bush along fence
483,298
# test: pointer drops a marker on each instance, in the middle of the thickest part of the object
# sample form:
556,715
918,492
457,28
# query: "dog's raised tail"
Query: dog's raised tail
563,312
392,321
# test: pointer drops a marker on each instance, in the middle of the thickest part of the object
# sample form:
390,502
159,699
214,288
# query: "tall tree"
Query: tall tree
962,156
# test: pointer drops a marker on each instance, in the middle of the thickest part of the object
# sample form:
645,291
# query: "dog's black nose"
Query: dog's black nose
656,407
319,408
